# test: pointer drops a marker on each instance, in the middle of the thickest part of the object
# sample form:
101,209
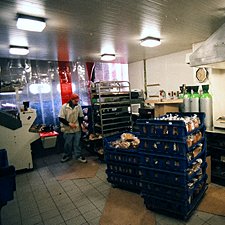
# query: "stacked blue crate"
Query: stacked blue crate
173,169
123,169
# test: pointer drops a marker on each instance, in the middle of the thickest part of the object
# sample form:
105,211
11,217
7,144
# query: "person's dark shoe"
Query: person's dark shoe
66,158
82,159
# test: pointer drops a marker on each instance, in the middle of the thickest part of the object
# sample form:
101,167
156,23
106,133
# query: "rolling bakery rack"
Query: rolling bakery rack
111,108
111,104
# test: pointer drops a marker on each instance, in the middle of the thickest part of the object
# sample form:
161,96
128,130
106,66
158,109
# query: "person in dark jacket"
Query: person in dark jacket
71,123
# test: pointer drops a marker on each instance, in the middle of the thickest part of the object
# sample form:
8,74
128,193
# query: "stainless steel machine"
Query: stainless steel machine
220,122
16,138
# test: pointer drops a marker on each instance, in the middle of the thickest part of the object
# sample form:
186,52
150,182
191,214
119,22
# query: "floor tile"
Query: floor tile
42,200
95,221
81,202
54,220
63,202
68,207
92,214
80,182
32,220
195,220
50,214
203,215
69,214
29,212
86,208
79,220
216,220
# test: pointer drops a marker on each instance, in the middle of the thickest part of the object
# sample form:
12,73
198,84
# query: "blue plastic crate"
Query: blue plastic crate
125,182
3,158
124,169
178,209
174,129
161,176
168,162
107,142
179,193
120,155
169,177
166,146
130,157
7,188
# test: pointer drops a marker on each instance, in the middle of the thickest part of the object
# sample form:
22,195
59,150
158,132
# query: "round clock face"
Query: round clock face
201,74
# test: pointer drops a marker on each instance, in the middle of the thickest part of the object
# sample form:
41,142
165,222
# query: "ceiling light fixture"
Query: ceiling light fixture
30,23
150,42
18,50
108,57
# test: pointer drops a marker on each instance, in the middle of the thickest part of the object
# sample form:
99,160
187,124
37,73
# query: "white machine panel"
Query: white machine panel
17,142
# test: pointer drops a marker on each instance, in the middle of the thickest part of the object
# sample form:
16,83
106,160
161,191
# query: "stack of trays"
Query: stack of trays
123,169
173,164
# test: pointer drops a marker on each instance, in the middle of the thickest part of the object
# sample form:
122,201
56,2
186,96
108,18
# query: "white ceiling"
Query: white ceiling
83,29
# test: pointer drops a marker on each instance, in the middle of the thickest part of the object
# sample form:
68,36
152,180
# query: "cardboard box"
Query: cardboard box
208,169
162,108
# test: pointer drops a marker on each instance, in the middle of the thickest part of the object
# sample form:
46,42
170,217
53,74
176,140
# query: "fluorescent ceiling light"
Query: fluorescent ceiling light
9,93
18,50
108,57
150,42
30,23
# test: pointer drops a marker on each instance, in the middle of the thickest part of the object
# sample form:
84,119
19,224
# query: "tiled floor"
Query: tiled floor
42,200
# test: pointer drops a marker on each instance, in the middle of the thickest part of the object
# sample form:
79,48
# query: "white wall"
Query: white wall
136,75
217,89
170,71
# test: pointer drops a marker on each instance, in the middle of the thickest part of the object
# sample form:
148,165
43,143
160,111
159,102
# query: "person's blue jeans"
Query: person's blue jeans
72,144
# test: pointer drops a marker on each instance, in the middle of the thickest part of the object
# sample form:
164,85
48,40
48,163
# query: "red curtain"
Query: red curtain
64,69
65,81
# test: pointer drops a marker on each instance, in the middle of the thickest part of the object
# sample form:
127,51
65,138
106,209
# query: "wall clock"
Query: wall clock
201,74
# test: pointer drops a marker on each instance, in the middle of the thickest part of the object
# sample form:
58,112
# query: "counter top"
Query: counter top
164,101
215,130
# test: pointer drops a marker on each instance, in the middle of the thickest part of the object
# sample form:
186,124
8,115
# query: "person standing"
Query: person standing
71,123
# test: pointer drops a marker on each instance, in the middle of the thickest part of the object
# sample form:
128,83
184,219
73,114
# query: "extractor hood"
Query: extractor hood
212,52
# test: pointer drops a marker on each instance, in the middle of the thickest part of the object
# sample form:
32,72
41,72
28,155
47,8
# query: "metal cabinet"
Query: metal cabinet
216,148
111,107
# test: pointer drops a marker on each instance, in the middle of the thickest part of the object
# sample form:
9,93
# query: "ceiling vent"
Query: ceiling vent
212,52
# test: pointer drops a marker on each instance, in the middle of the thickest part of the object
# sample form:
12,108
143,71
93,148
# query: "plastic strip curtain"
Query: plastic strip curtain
90,70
